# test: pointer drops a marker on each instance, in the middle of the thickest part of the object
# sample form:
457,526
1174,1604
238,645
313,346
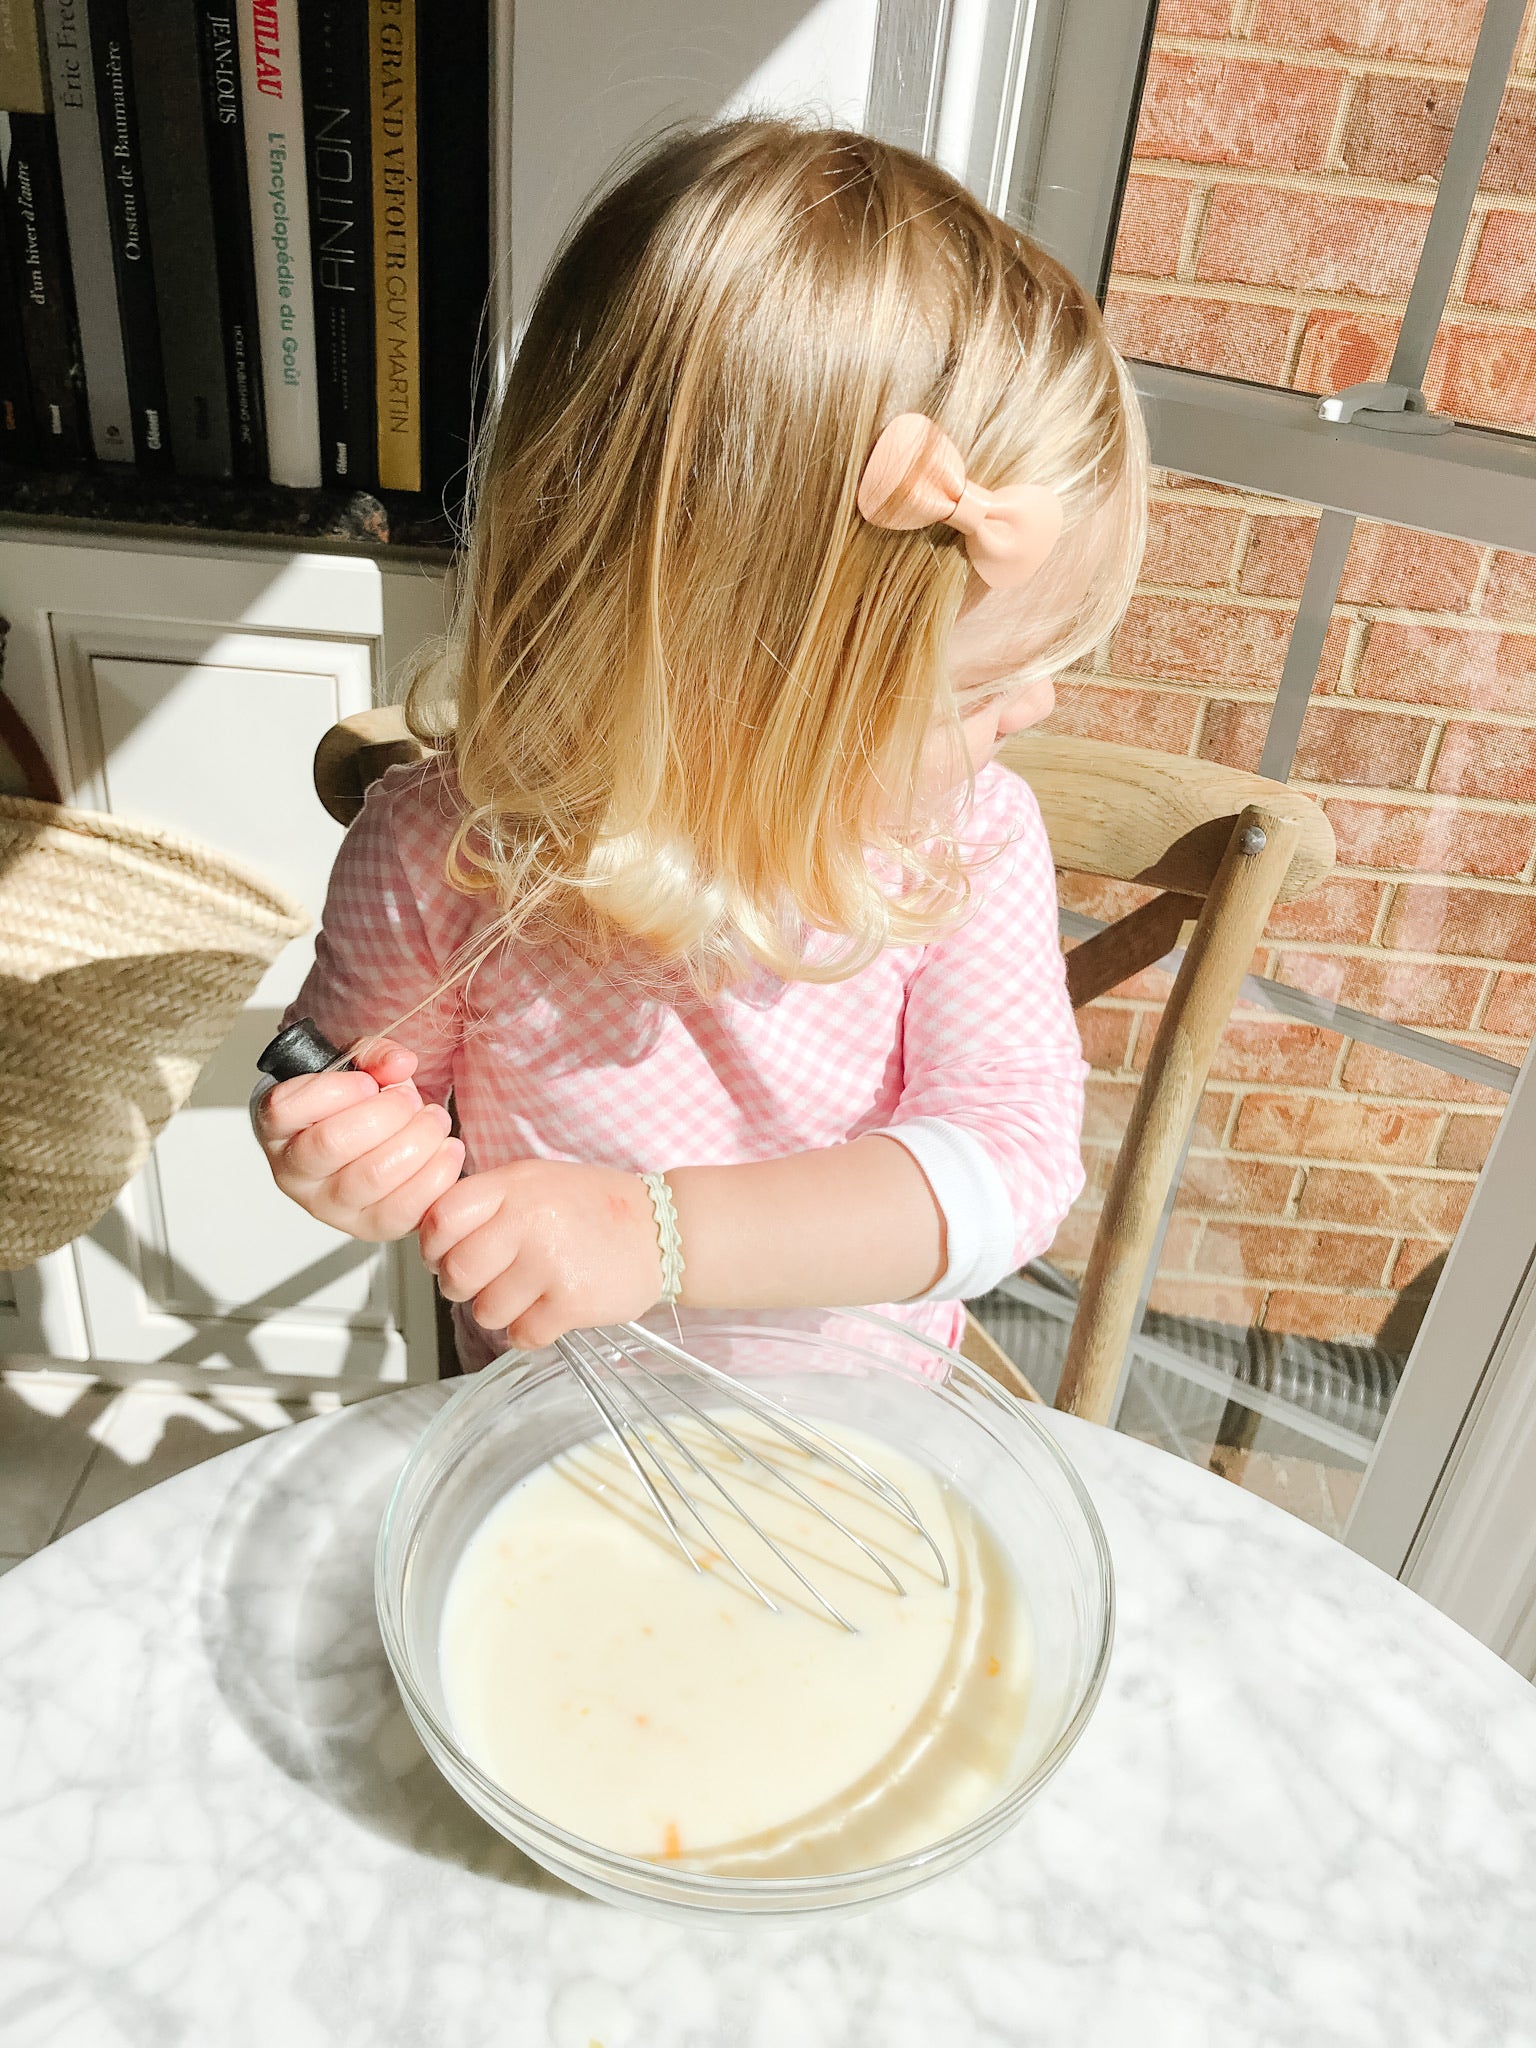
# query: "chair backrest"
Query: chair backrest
1130,815
356,752
1136,816
1222,847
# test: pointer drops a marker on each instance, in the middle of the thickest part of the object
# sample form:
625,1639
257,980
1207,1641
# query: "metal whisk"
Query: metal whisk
593,1356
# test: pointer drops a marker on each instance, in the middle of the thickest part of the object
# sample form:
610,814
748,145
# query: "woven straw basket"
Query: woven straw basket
125,954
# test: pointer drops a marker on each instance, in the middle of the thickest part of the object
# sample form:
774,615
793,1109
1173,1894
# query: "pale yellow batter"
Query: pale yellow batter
667,1714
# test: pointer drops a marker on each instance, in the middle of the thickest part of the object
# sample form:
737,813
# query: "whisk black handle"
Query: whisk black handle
302,1048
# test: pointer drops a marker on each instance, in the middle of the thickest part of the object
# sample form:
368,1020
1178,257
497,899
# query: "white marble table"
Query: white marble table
1305,1813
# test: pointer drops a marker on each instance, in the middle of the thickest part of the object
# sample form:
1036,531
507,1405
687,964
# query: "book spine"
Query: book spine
178,194
274,136
23,77
337,117
18,428
455,243
128,220
39,254
396,242
77,131
224,138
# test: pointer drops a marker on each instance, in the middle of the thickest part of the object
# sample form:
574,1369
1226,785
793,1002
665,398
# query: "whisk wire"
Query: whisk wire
796,1429
739,1446
690,1504
660,1422
598,1359
617,1429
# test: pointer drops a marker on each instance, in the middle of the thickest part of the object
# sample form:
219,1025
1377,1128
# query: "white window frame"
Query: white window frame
947,80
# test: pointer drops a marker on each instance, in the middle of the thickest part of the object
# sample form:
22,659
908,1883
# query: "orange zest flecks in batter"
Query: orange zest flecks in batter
671,1842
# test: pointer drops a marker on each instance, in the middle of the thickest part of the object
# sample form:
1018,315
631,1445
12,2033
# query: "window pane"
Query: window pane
1325,1184
1281,181
1329,1172
1420,741
1483,366
1202,635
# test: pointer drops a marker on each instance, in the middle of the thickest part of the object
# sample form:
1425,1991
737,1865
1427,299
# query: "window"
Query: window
1282,201
1279,193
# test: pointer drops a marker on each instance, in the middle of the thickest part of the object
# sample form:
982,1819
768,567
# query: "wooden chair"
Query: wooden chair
1221,847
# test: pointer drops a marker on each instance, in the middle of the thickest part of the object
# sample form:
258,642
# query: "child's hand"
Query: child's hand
360,1151
544,1246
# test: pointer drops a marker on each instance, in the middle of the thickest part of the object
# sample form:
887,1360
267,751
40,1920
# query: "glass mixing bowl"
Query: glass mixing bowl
833,1366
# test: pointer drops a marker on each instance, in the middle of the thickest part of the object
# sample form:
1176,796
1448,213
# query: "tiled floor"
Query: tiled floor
70,1446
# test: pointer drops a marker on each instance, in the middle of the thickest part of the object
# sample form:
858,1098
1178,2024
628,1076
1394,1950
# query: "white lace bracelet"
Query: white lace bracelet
668,1234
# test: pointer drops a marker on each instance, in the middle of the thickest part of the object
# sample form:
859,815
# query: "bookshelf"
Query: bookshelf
363,83
95,501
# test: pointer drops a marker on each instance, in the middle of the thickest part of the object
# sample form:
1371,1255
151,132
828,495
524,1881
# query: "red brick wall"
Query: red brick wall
1328,1174
1282,176
1283,173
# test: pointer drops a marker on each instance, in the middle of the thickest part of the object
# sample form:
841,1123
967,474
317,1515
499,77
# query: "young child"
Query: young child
735,952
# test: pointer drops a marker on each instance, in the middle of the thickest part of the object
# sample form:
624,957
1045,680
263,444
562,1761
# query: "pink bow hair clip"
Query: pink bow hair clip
915,477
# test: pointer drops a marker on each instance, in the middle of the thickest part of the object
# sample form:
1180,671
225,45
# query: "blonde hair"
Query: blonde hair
692,687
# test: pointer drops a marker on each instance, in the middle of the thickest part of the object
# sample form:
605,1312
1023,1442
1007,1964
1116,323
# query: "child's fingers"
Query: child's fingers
537,1324
511,1299
388,1061
469,1266
324,1148
293,1105
366,1179
398,1214
462,1209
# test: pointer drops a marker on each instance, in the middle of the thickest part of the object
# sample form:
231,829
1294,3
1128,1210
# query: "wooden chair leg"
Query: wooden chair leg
981,1349
1218,956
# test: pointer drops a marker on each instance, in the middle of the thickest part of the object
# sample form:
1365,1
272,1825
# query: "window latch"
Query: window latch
1396,408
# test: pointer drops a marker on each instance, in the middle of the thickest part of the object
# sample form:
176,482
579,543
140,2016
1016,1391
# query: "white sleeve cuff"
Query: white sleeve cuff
977,1210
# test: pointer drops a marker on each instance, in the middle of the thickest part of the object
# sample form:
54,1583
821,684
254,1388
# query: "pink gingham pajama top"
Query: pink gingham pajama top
965,1050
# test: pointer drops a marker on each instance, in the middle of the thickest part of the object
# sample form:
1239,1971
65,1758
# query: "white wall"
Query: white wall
590,78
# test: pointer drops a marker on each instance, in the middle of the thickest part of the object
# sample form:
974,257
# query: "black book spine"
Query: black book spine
455,157
333,48
224,135
128,220
34,208
18,428
168,88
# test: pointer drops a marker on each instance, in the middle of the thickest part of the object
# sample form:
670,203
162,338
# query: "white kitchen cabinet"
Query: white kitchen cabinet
189,688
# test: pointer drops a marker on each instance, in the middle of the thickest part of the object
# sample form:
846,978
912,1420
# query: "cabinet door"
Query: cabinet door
193,693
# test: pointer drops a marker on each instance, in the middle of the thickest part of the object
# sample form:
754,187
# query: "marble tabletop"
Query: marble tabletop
1304,1813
